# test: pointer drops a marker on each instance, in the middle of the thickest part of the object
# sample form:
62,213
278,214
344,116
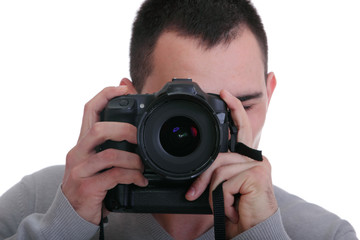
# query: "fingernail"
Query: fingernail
146,182
190,193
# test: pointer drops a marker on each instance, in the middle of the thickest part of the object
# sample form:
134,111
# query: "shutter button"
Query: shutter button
124,102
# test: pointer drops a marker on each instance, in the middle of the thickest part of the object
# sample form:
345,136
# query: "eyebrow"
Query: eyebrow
250,96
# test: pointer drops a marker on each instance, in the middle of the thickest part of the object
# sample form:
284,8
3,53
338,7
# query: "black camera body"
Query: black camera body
181,130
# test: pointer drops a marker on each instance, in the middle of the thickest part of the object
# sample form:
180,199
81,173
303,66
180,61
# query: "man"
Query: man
222,46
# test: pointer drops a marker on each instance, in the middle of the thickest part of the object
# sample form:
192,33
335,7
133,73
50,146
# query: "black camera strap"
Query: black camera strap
101,225
239,147
219,213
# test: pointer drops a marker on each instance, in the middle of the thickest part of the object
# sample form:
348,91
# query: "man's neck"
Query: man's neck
185,226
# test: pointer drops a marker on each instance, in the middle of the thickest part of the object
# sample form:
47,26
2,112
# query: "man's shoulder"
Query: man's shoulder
33,194
42,186
302,219
46,177
290,203
56,171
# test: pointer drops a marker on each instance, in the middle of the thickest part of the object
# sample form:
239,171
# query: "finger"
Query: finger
103,131
201,183
97,135
239,117
226,172
93,108
110,158
110,178
97,185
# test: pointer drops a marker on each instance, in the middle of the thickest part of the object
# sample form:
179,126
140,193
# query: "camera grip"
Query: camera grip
123,145
169,198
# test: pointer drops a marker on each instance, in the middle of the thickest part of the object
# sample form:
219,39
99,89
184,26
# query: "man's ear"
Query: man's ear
270,85
127,82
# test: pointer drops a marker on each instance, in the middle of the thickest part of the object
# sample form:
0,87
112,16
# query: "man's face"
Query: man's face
236,67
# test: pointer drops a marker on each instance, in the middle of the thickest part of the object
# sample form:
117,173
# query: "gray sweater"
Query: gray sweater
36,208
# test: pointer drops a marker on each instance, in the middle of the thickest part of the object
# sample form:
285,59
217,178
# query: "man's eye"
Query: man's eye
248,107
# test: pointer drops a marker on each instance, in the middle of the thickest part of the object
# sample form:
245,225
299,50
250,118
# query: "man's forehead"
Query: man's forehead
219,66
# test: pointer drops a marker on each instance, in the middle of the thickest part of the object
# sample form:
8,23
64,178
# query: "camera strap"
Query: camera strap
101,225
219,213
239,147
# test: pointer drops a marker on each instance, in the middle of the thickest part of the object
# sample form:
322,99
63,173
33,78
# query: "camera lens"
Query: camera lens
179,136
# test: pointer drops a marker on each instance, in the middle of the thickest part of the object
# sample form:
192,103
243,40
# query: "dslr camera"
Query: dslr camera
181,130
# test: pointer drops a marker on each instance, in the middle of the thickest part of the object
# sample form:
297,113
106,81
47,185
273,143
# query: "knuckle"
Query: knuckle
87,106
69,157
258,171
218,172
96,129
73,175
261,174
107,90
267,163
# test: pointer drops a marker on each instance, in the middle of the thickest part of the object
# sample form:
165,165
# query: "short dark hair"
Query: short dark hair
211,21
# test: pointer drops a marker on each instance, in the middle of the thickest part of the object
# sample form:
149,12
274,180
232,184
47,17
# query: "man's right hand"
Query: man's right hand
84,185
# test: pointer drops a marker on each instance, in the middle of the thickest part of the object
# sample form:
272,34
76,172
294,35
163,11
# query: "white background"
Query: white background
56,55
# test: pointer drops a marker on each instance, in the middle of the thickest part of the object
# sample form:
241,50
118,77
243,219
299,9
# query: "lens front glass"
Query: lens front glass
179,136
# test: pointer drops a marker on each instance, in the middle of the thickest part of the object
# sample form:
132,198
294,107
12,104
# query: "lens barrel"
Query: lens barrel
179,137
